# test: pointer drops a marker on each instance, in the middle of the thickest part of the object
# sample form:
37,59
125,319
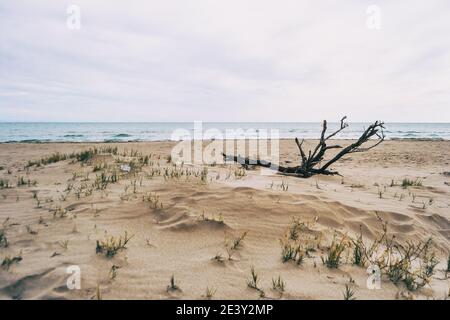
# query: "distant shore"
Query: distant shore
162,131
35,141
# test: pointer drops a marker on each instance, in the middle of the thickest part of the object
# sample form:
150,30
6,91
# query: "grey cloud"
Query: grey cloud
224,61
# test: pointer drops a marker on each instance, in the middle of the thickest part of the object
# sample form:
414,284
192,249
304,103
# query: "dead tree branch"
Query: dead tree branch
310,163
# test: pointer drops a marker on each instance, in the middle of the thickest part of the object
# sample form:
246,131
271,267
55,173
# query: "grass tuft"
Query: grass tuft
299,241
4,184
349,294
402,269
82,156
448,264
30,230
411,183
21,181
210,292
64,244
334,255
173,285
361,252
3,239
254,280
153,200
8,261
218,219
113,272
98,293
218,257
412,264
289,251
238,241
278,284
111,246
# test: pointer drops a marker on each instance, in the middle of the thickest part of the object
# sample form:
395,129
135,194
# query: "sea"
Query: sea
164,131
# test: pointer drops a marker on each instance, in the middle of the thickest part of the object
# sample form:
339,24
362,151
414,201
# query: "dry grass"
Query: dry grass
218,257
153,200
299,240
64,244
3,239
237,242
349,294
253,282
402,266
411,183
210,292
230,246
173,285
289,251
333,259
113,272
111,245
102,180
21,181
218,219
98,293
361,252
239,173
4,184
82,156
448,264
59,212
412,264
31,231
279,285
8,261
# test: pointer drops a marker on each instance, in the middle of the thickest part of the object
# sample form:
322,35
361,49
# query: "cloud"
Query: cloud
232,60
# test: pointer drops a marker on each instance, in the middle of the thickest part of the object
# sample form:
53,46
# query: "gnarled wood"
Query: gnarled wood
310,164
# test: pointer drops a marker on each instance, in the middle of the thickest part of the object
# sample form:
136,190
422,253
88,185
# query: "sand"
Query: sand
54,230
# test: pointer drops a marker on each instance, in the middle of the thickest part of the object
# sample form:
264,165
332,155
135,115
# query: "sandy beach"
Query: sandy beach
207,226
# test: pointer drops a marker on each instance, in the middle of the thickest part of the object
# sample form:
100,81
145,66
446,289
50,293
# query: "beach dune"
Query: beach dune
196,232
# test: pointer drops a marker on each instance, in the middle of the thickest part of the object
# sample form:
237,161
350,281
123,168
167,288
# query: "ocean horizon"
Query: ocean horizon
162,131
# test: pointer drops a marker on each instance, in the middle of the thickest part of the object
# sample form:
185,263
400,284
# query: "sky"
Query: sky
234,60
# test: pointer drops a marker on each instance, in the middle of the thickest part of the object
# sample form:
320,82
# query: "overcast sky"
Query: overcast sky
233,60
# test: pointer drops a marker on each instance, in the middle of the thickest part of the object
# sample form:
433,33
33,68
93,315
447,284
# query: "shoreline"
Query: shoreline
32,141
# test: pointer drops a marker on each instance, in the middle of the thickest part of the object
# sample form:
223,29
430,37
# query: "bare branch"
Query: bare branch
310,164
343,126
302,153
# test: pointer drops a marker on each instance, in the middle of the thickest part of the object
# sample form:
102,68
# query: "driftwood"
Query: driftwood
312,163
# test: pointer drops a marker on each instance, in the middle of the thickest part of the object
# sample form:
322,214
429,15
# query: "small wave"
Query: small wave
416,139
29,141
122,135
73,136
121,140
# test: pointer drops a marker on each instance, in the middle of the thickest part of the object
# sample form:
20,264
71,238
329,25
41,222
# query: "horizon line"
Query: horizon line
136,122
